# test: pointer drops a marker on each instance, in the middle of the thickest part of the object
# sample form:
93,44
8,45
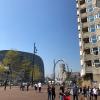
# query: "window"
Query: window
91,18
95,50
98,37
86,40
98,3
93,39
97,63
88,63
89,1
98,26
87,51
98,15
89,8
92,28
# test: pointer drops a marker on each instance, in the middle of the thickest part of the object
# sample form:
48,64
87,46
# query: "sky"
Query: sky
51,24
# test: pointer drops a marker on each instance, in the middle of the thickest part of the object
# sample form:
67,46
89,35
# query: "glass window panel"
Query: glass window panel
94,39
98,26
98,15
95,50
92,28
88,1
89,8
91,18
99,37
97,63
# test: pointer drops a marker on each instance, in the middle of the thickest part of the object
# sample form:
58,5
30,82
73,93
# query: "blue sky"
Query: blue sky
51,24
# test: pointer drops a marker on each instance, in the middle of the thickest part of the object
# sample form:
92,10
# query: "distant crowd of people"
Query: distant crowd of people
27,85
89,93
80,93
76,92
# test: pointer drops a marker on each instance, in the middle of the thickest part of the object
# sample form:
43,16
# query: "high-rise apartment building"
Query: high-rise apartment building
88,17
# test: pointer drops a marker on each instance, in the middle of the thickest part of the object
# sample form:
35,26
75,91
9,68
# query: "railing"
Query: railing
89,69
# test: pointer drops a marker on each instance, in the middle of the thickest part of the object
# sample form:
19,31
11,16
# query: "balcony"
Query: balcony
83,15
85,30
89,69
87,51
79,35
77,5
88,57
82,2
88,63
83,20
86,40
87,45
86,34
83,10
84,25
83,6
77,12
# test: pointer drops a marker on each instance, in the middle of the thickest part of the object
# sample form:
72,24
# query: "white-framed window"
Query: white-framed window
98,37
98,26
90,18
97,15
97,63
93,39
89,8
92,28
95,50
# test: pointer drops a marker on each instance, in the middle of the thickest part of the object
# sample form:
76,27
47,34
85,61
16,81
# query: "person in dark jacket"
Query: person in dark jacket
5,84
75,93
49,90
53,92
28,84
62,88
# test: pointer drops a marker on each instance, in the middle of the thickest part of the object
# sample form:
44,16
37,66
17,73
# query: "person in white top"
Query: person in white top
39,85
95,93
35,86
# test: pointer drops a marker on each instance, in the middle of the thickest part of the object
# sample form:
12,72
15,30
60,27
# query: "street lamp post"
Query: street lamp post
34,52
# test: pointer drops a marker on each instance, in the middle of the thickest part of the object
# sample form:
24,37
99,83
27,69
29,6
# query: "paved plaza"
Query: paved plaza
16,94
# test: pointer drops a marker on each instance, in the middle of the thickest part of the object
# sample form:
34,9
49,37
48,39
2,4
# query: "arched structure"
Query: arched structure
37,61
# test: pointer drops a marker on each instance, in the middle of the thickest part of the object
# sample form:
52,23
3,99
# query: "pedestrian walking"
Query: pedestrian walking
62,88
10,84
49,91
75,93
67,95
61,95
95,93
91,93
39,85
5,84
85,92
53,92
28,84
35,86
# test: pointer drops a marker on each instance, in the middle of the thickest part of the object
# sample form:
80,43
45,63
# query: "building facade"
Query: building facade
38,75
88,17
